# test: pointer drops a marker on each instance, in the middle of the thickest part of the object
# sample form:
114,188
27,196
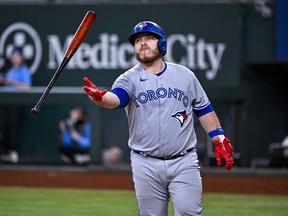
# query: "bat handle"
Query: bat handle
36,109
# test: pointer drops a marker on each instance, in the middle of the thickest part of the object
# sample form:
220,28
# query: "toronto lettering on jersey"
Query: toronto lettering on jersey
108,53
150,95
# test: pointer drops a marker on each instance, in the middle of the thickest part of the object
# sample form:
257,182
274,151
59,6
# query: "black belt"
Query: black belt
166,157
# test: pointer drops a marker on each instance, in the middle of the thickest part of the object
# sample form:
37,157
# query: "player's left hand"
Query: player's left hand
223,148
91,89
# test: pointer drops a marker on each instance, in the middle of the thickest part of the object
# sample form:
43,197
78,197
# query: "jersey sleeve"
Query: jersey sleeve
122,87
201,104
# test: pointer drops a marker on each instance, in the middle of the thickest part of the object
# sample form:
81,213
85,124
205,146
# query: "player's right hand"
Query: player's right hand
223,148
91,89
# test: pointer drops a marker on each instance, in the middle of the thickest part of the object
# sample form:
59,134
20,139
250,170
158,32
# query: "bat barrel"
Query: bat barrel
80,33
74,45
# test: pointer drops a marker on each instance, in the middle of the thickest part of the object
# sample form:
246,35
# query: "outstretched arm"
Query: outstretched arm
102,98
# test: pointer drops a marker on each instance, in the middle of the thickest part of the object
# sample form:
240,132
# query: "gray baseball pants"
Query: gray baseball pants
157,181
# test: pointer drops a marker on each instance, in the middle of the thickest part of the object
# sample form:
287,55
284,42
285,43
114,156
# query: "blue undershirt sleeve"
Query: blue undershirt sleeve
122,95
205,110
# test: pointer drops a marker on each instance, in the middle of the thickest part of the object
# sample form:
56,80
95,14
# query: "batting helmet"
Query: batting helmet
150,27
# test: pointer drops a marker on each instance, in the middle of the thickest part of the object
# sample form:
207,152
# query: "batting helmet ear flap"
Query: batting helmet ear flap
162,45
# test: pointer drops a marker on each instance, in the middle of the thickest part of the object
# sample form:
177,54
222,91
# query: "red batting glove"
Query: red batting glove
94,93
224,149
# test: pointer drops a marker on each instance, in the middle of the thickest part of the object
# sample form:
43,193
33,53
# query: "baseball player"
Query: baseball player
160,99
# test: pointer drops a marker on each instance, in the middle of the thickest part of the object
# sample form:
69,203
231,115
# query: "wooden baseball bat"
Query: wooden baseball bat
71,50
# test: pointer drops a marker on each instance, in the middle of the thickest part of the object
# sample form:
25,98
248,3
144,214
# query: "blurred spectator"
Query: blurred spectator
16,76
75,138
112,156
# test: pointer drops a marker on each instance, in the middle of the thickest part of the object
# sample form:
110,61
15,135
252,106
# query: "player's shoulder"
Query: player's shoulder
134,70
130,74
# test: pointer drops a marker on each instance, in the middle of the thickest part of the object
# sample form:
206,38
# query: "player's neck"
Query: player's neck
154,67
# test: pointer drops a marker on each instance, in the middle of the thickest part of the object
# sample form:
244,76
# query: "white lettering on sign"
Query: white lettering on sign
108,53
199,54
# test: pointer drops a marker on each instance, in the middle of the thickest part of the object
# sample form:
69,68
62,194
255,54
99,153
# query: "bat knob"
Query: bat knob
35,111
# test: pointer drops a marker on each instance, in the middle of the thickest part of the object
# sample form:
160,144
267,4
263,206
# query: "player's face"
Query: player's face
146,49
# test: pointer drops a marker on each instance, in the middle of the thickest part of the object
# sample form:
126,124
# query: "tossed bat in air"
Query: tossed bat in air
71,50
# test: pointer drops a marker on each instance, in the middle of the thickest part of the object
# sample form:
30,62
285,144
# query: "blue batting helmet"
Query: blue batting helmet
150,27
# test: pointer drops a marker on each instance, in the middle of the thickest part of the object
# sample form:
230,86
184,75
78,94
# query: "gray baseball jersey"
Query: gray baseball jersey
160,116
160,111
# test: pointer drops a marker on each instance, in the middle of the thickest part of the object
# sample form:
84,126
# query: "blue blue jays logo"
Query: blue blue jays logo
180,116
142,25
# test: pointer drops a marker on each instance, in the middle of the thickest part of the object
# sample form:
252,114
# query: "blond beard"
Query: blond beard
146,60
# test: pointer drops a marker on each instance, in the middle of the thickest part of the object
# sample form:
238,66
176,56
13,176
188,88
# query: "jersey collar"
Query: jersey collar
164,69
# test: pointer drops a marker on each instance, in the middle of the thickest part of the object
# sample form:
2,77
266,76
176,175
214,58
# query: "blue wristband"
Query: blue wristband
217,131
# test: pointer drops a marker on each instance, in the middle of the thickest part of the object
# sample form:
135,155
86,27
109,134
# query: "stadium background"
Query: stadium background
249,91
